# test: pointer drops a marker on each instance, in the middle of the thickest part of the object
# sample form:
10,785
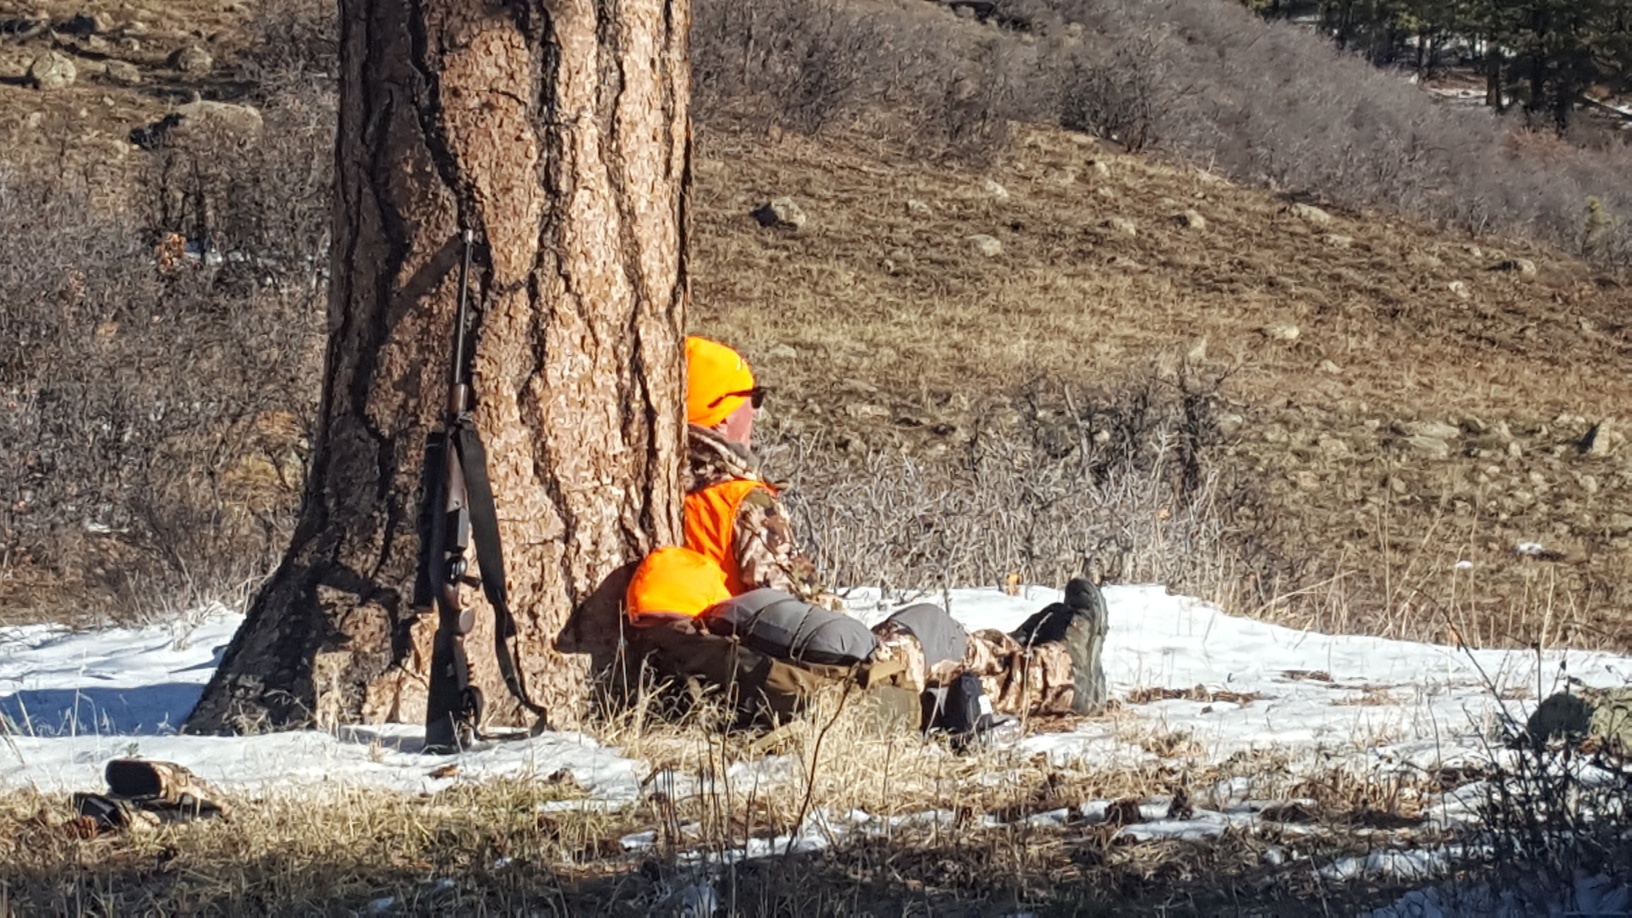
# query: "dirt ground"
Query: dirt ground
1411,406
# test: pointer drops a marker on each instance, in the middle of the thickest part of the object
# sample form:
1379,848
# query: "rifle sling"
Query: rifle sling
484,531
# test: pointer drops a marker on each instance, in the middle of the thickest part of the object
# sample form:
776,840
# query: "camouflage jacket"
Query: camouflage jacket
763,542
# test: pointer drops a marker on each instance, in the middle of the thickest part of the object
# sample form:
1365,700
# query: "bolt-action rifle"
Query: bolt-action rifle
457,510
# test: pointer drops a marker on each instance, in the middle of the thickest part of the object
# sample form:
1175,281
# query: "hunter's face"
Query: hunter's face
738,426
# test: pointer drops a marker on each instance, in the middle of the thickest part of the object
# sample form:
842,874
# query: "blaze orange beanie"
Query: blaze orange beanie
677,580
714,373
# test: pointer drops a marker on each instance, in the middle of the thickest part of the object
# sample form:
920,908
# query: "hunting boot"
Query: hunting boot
1078,625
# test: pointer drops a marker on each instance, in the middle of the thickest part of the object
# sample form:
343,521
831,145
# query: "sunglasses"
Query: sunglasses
755,396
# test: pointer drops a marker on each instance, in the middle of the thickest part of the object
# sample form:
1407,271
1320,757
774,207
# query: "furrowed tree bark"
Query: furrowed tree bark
560,133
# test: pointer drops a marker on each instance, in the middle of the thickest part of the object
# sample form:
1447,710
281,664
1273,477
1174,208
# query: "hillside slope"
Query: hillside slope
1427,409
1397,400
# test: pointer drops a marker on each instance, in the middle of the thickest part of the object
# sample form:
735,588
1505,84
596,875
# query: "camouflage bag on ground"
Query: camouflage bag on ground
143,793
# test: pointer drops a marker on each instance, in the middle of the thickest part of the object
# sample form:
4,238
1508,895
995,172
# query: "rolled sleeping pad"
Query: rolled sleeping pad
785,626
936,630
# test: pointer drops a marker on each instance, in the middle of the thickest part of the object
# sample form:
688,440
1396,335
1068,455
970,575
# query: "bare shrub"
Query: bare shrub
1116,483
290,46
1274,104
159,368
790,63
1118,97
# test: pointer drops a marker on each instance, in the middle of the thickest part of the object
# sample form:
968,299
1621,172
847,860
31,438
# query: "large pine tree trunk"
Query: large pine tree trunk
560,133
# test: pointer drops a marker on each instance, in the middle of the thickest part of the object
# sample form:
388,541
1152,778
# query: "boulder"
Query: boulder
1121,226
200,122
1436,429
191,59
1338,242
1311,214
781,213
1596,441
986,245
1281,331
994,190
1190,219
1460,289
123,72
52,70
1427,447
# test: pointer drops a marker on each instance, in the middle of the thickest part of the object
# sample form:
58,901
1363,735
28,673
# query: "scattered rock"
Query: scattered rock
996,191
52,70
123,72
1280,331
1197,351
86,24
1311,214
915,206
1105,191
781,213
1523,266
986,245
1333,448
1423,260
1596,442
1190,219
781,352
191,59
22,28
1121,225
1427,447
1329,368
1460,288
1102,168
1338,242
1435,429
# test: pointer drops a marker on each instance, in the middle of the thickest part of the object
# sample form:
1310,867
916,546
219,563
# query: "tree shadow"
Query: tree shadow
143,710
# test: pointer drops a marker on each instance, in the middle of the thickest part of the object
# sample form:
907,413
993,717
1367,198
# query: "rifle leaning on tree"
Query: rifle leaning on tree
458,509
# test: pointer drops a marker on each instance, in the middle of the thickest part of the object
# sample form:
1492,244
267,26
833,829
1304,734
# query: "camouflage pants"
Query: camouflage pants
1017,680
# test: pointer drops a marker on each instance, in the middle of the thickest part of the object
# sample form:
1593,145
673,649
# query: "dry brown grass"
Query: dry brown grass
497,847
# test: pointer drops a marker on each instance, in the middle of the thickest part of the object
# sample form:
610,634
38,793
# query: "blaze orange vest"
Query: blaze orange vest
711,525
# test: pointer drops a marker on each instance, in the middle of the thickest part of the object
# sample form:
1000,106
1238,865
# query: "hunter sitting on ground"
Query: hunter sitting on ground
741,574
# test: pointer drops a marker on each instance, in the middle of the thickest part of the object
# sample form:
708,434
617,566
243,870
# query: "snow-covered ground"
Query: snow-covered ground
75,700
71,701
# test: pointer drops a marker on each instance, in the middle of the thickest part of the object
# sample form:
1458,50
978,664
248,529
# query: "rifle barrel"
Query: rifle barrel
456,375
